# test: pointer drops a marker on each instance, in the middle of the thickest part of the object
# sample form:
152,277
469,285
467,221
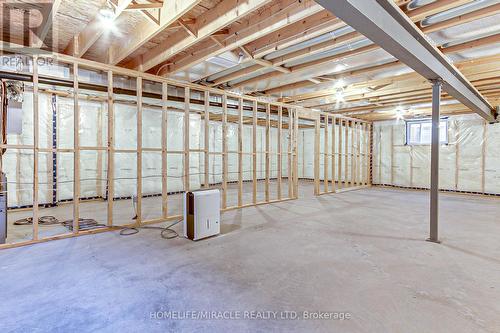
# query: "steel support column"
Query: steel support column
434,213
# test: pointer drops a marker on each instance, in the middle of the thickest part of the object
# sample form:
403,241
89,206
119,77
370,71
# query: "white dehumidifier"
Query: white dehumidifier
201,214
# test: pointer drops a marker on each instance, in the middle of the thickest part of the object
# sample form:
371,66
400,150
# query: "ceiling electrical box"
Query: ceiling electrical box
201,214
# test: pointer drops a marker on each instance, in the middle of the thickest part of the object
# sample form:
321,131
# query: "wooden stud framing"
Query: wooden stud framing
457,153
187,97
334,185
370,152
356,152
483,157
76,154
380,156
240,152
164,156
290,153
340,154
295,154
317,152
35,147
139,151
254,153
206,147
325,155
366,128
353,154
280,158
392,154
346,153
99,151
359,161
224,152
268,146
110,150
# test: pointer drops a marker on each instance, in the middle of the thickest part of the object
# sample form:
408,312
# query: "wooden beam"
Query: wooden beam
435,7
318,48
270,64
190,28
467,66
48,14
307,67
275,17
92,32
472,44
171,12
217,18
414,16
310,27
462,19
334,77
141,6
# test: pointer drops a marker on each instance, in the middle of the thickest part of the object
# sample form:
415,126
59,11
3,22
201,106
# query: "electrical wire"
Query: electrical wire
83,224
43,220
166,232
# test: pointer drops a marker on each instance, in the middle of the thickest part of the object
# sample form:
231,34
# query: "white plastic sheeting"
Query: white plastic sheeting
470,162
18,163
305,145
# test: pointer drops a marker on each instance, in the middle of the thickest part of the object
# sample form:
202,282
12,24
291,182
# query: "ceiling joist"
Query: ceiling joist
171,12
79,45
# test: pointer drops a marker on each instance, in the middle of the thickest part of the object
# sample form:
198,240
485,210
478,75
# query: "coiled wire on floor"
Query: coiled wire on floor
43,220
84,224
88,224
166,232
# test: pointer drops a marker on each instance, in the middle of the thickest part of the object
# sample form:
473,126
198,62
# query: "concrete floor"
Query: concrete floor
361,252
123,210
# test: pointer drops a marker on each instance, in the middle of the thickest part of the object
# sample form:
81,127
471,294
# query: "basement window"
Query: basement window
419,132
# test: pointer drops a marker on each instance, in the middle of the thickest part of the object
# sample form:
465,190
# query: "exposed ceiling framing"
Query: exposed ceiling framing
288,50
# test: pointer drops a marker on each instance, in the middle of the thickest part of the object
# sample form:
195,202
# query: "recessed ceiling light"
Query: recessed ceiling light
339,95
339,67
339,83
107,16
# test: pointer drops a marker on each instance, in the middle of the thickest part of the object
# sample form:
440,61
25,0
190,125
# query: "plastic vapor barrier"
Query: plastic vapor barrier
56,169
468,162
